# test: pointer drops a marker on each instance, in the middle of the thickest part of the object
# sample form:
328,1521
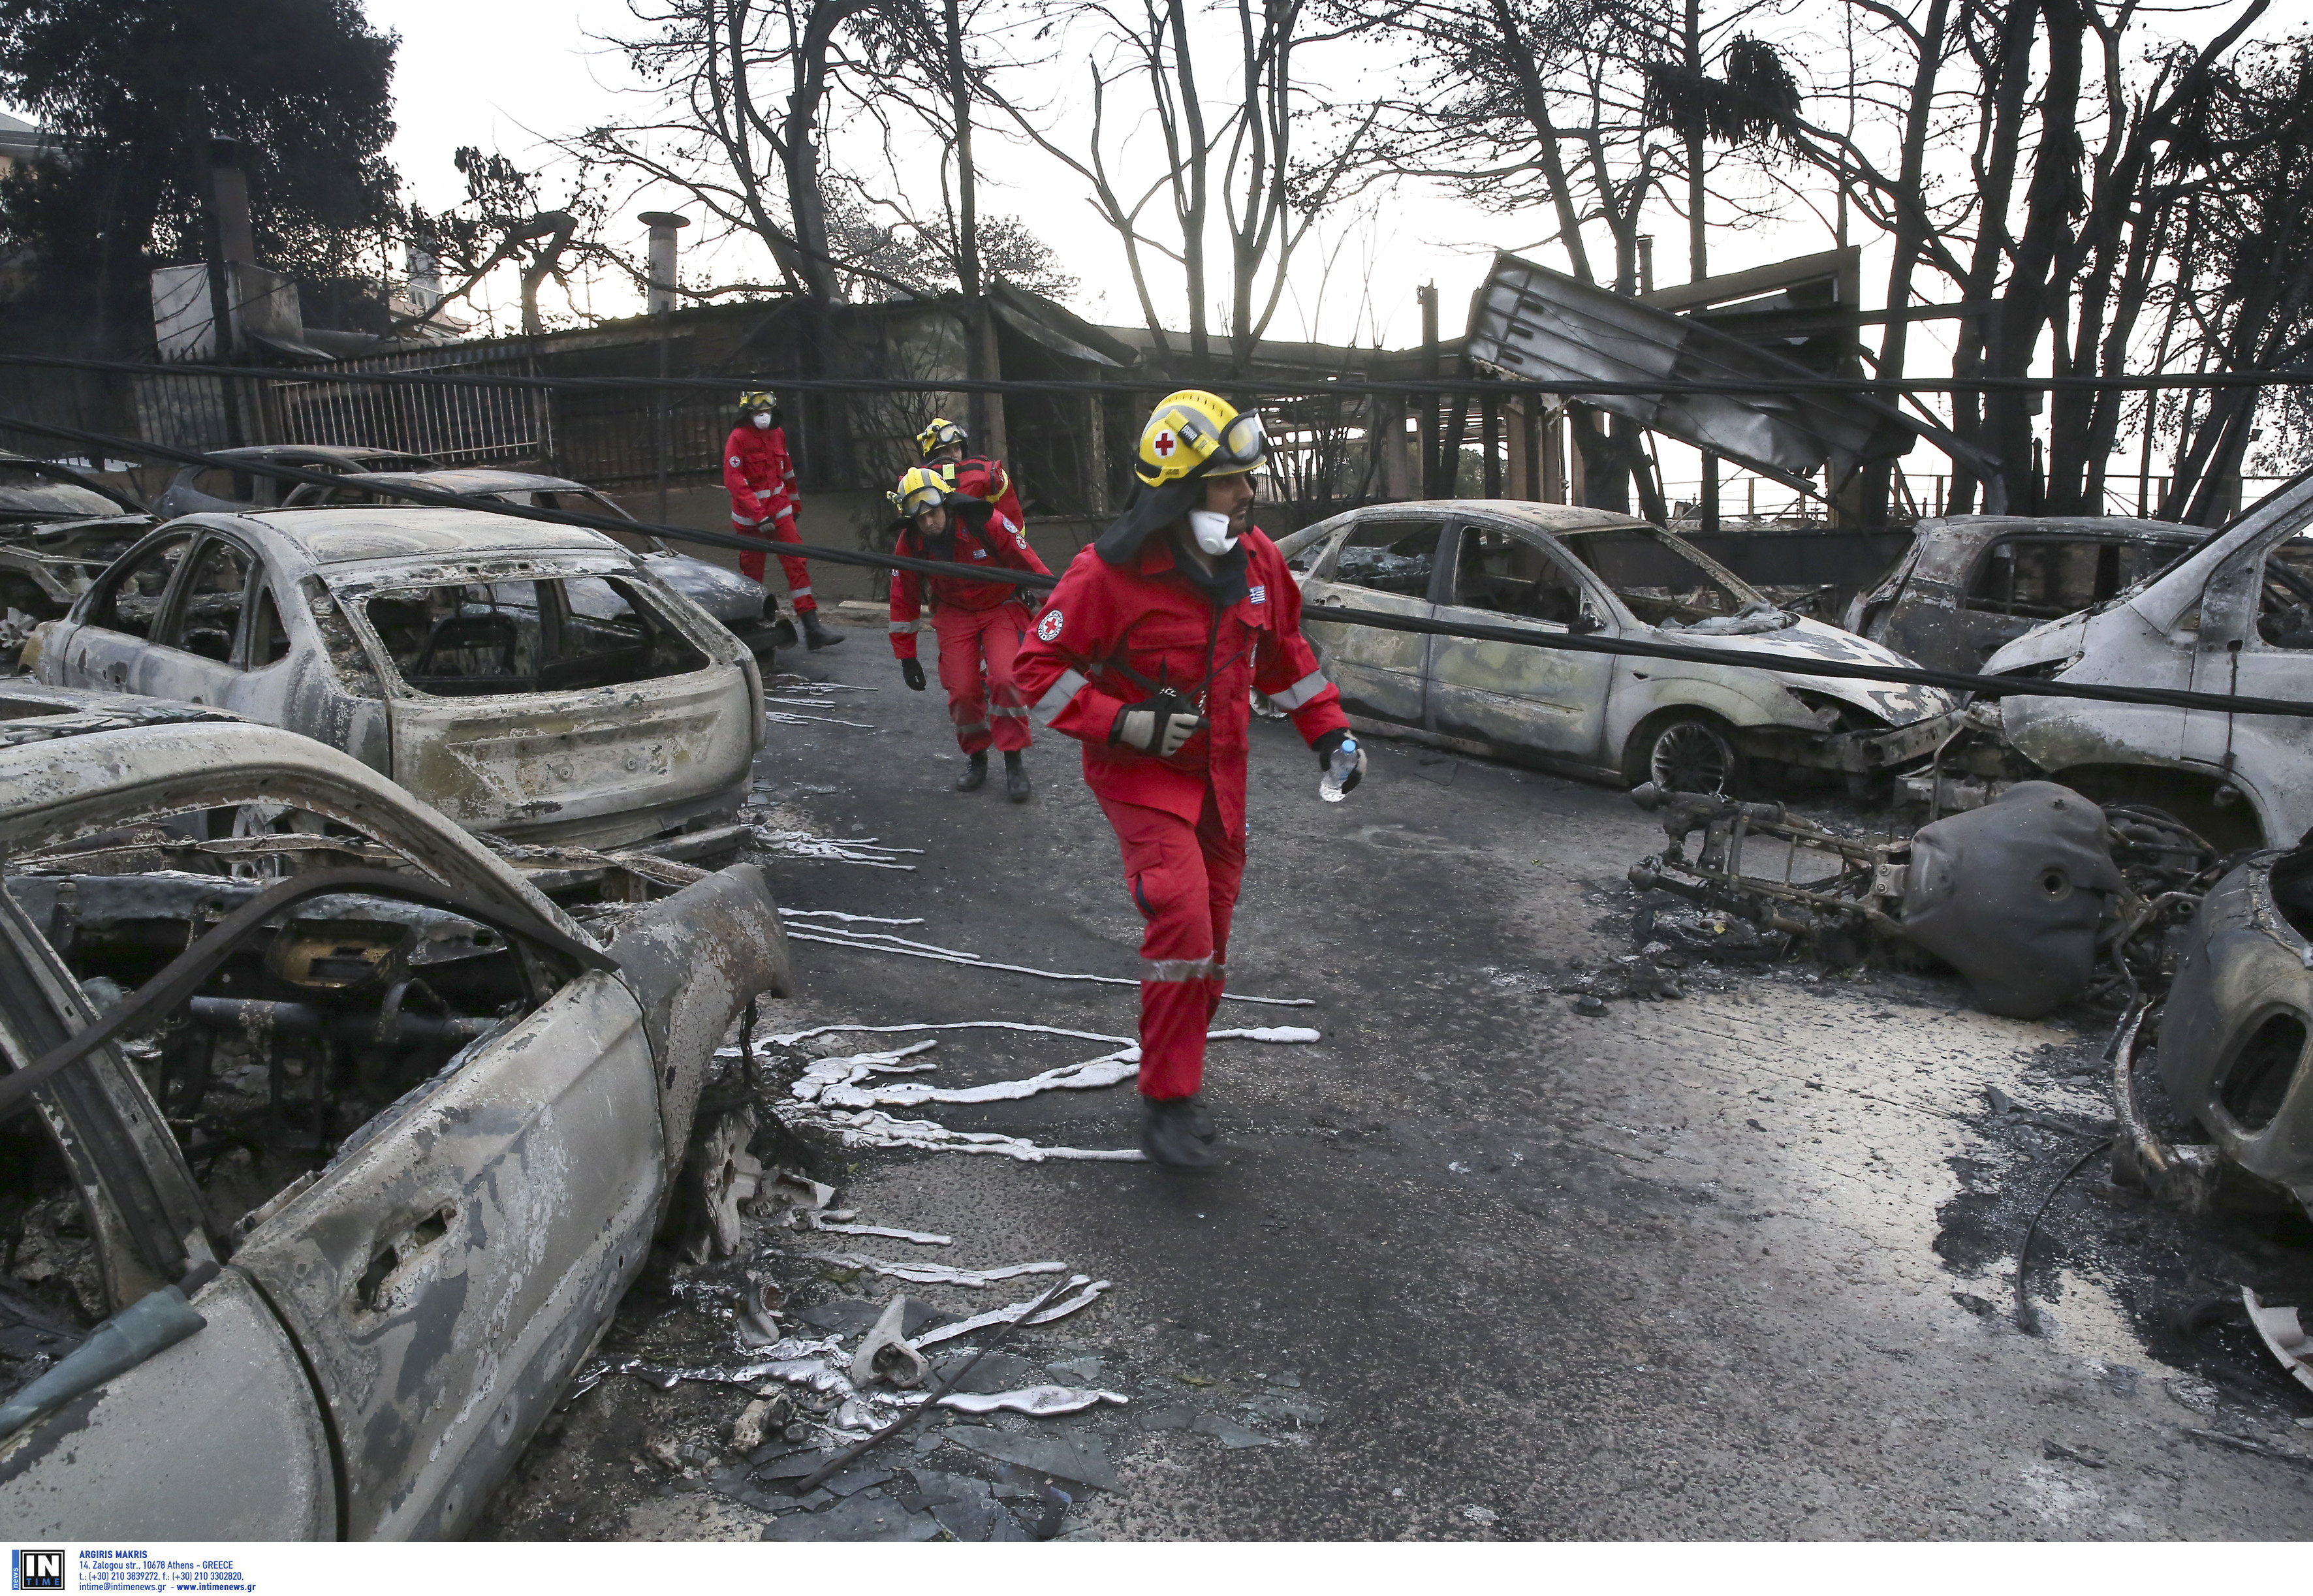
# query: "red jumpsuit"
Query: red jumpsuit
1106,634
980,624
763,503
985,480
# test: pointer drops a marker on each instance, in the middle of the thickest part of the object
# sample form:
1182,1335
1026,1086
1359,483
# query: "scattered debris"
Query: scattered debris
1040,1401
2091,1457
2284,1335
879,942
884,1353
2026,897
934,1274
1067,1454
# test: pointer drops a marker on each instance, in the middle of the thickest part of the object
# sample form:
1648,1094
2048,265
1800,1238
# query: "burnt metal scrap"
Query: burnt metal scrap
2228,1047
2039,899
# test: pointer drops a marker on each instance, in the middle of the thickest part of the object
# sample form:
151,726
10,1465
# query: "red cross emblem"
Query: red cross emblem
1163,445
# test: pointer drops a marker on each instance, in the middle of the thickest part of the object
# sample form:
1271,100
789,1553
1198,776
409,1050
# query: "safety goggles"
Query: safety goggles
1239,445
913,502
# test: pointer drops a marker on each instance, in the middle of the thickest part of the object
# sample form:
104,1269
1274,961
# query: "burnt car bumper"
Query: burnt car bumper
1856,753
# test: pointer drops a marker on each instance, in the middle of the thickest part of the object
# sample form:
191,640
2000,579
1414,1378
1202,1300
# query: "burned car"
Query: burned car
224,484
2233,616
1556,568
536,681
340,1146
1971,584
59,528
726,595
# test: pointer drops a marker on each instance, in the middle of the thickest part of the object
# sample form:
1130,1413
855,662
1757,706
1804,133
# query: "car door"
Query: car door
1545,700
193,651
2254,639
107,647
445,1275
1385,562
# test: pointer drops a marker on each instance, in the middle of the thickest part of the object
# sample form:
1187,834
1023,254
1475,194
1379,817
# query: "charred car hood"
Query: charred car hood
53,500
2057,643
726,595
1897,704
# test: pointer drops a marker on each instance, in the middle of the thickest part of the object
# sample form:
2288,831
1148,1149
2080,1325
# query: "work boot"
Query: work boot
1201,1123
1015,779
814,635
1168,1135
975,774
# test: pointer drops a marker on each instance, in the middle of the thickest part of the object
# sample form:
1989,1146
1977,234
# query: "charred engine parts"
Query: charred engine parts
2026,896
2011,896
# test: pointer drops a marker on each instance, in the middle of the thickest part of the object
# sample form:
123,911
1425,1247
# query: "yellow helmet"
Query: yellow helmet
757,398
939,434
920,489
1196,433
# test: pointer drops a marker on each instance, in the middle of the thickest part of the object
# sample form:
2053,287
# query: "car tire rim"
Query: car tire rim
1690,758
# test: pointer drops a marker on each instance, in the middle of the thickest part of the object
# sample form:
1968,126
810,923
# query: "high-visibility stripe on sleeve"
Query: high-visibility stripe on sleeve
1058,695
1301,691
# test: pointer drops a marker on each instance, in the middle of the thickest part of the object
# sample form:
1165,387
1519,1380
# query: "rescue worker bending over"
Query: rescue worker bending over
763,503
1149,652
943,444
980,624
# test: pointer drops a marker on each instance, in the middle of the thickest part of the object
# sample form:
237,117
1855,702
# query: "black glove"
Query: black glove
1325,747
912,672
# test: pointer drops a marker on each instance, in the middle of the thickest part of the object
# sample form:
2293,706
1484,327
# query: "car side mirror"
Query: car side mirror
1586,622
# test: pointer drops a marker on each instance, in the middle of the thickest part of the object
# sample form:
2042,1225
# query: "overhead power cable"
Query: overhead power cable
1317,388
1957,682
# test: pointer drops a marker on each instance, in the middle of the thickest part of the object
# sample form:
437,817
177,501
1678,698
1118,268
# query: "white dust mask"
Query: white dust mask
1211,528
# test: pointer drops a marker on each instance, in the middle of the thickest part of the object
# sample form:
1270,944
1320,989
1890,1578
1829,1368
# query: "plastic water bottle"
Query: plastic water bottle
1343,765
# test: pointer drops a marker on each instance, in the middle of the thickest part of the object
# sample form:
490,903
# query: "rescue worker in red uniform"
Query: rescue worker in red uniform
980,624
943,444
761,481
1149,652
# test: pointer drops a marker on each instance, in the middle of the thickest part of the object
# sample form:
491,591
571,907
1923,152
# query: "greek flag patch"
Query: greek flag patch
1259,594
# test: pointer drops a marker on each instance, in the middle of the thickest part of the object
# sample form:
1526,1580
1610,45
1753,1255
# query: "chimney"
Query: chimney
229,184
663,225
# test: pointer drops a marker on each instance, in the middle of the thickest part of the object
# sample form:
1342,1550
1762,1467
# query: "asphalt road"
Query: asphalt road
1734,1265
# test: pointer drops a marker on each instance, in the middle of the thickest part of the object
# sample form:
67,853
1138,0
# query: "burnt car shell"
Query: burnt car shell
218,487
726,595
1970,584
1556,569
384,1332
592,745
2233,1038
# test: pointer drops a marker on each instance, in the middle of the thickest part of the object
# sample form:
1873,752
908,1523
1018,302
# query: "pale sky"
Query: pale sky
455,84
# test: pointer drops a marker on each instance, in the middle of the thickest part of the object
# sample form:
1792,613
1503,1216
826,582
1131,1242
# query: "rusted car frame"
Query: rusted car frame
1970,584
463,1159
1559,569
536,681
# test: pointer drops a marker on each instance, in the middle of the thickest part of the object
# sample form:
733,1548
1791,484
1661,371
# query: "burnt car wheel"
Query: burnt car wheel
1689,753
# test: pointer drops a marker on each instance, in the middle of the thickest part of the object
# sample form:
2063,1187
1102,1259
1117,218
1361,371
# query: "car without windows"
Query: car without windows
225,484
399,1129
59,528
1970,584
1560,569
536,681
2231,616
726,595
